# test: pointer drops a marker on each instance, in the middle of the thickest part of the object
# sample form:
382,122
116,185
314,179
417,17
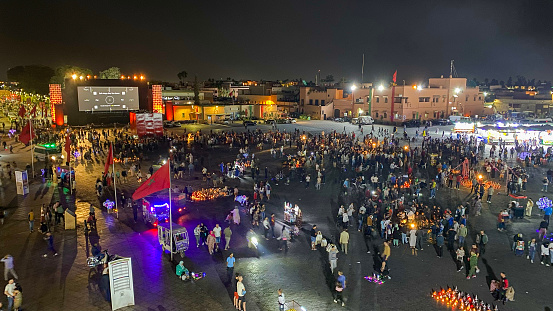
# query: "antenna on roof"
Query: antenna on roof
452,70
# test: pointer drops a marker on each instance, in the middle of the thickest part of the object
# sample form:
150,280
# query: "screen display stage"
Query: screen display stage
107,98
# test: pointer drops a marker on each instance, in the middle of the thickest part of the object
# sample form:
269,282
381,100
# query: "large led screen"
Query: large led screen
107,98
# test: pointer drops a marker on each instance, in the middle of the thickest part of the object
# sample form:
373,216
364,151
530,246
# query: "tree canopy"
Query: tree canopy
65,72
32,78
110,73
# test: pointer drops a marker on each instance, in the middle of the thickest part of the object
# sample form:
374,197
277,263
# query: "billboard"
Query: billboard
121,283
107,98
149,124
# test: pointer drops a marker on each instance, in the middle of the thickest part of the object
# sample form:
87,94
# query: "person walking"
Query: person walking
281,300
266,227
473,261
60,210
503,288
451,234
545,254
344,240
462,234
386,252
532,246
413,241
211,242
228,234
31,219
230,266
490,194
420,235
440,244
8,267
241,290
197,233
482,241
272,223
529,206
460,258
50,239
9,291
333,258
217,233
340,286
313,234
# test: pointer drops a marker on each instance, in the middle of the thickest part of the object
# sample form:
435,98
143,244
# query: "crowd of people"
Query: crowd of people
387,183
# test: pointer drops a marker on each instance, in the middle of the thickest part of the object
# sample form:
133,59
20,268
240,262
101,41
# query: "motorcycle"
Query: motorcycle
253,244
101,259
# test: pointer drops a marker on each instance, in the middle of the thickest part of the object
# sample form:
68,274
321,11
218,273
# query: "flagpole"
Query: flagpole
114,185
32,153
170,204
69,160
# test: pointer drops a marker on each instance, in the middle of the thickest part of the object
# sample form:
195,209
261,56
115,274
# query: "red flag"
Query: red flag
68,147
33,111
109,160
394,77
22,111
25,135
160,180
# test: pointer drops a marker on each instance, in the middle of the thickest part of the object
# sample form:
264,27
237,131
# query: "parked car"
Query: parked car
270,121
168,124
412,123
338,120
291,120
442,122
249,123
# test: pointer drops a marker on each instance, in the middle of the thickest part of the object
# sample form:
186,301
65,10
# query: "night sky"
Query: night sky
283,39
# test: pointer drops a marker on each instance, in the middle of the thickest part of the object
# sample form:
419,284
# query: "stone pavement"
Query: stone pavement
66,282
303,274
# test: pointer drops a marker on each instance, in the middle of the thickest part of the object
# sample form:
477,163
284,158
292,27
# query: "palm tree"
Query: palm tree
182,75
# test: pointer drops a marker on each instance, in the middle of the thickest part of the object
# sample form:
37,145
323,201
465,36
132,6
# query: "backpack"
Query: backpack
510,293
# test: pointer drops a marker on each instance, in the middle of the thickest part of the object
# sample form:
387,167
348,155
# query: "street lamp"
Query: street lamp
353,87
381,88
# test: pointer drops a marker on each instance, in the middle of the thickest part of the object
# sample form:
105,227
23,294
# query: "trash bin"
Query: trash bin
70,220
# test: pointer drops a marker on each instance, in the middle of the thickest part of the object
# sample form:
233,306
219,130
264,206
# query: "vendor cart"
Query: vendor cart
292,214
180,238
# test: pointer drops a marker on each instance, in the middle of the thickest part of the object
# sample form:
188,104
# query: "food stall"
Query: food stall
292,214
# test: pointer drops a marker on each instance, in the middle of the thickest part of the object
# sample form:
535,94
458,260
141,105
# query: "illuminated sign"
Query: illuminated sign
464,127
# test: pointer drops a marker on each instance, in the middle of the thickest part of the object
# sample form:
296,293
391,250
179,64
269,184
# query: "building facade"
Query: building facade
440,99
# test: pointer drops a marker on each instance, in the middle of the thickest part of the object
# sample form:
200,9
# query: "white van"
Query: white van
365,120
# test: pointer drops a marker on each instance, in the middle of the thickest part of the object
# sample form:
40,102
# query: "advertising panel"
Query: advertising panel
149,124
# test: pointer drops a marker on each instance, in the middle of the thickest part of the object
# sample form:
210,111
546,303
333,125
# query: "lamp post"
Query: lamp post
353,87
